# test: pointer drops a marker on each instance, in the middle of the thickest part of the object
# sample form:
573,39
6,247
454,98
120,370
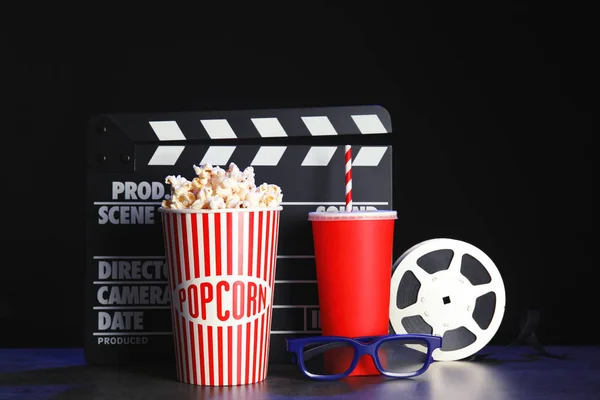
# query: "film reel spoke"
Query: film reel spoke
480,290
474,328
456,263
414,309
419,273
439,331
437,328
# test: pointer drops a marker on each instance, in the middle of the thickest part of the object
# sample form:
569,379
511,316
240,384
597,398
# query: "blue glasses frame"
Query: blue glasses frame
367,345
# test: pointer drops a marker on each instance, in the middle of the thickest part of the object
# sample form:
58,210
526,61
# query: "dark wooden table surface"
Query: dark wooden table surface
505,373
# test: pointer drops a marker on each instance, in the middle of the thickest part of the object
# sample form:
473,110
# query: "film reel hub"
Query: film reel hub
444,301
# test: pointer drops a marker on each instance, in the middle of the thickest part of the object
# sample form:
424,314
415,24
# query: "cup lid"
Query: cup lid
352,215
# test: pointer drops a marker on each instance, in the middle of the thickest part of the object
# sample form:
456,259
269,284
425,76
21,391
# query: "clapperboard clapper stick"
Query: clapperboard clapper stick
127,303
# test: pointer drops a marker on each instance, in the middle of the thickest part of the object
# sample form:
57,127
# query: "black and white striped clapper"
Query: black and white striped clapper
127,317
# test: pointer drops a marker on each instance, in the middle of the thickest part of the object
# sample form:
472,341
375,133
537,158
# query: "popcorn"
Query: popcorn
198,182
229,183
199,204
243,204
248,175
185,199
264,188
178,184
223,192
205,193
217,188
241,192
254,197
268,200
232,201
216,203
204,170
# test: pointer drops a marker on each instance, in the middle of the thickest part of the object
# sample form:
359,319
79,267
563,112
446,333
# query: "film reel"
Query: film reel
449,288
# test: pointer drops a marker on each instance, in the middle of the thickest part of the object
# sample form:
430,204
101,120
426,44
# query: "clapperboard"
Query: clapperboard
127,314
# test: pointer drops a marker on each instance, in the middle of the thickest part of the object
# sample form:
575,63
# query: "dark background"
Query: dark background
491,111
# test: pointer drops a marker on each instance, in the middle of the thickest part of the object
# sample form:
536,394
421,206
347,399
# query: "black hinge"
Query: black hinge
108,148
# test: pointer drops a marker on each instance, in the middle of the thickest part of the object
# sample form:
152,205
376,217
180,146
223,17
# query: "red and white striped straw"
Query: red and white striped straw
348,178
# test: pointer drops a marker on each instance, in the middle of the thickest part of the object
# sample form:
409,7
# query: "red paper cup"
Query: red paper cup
353,255
221,274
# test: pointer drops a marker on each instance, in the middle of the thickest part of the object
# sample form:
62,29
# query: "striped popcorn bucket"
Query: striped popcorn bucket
221,276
